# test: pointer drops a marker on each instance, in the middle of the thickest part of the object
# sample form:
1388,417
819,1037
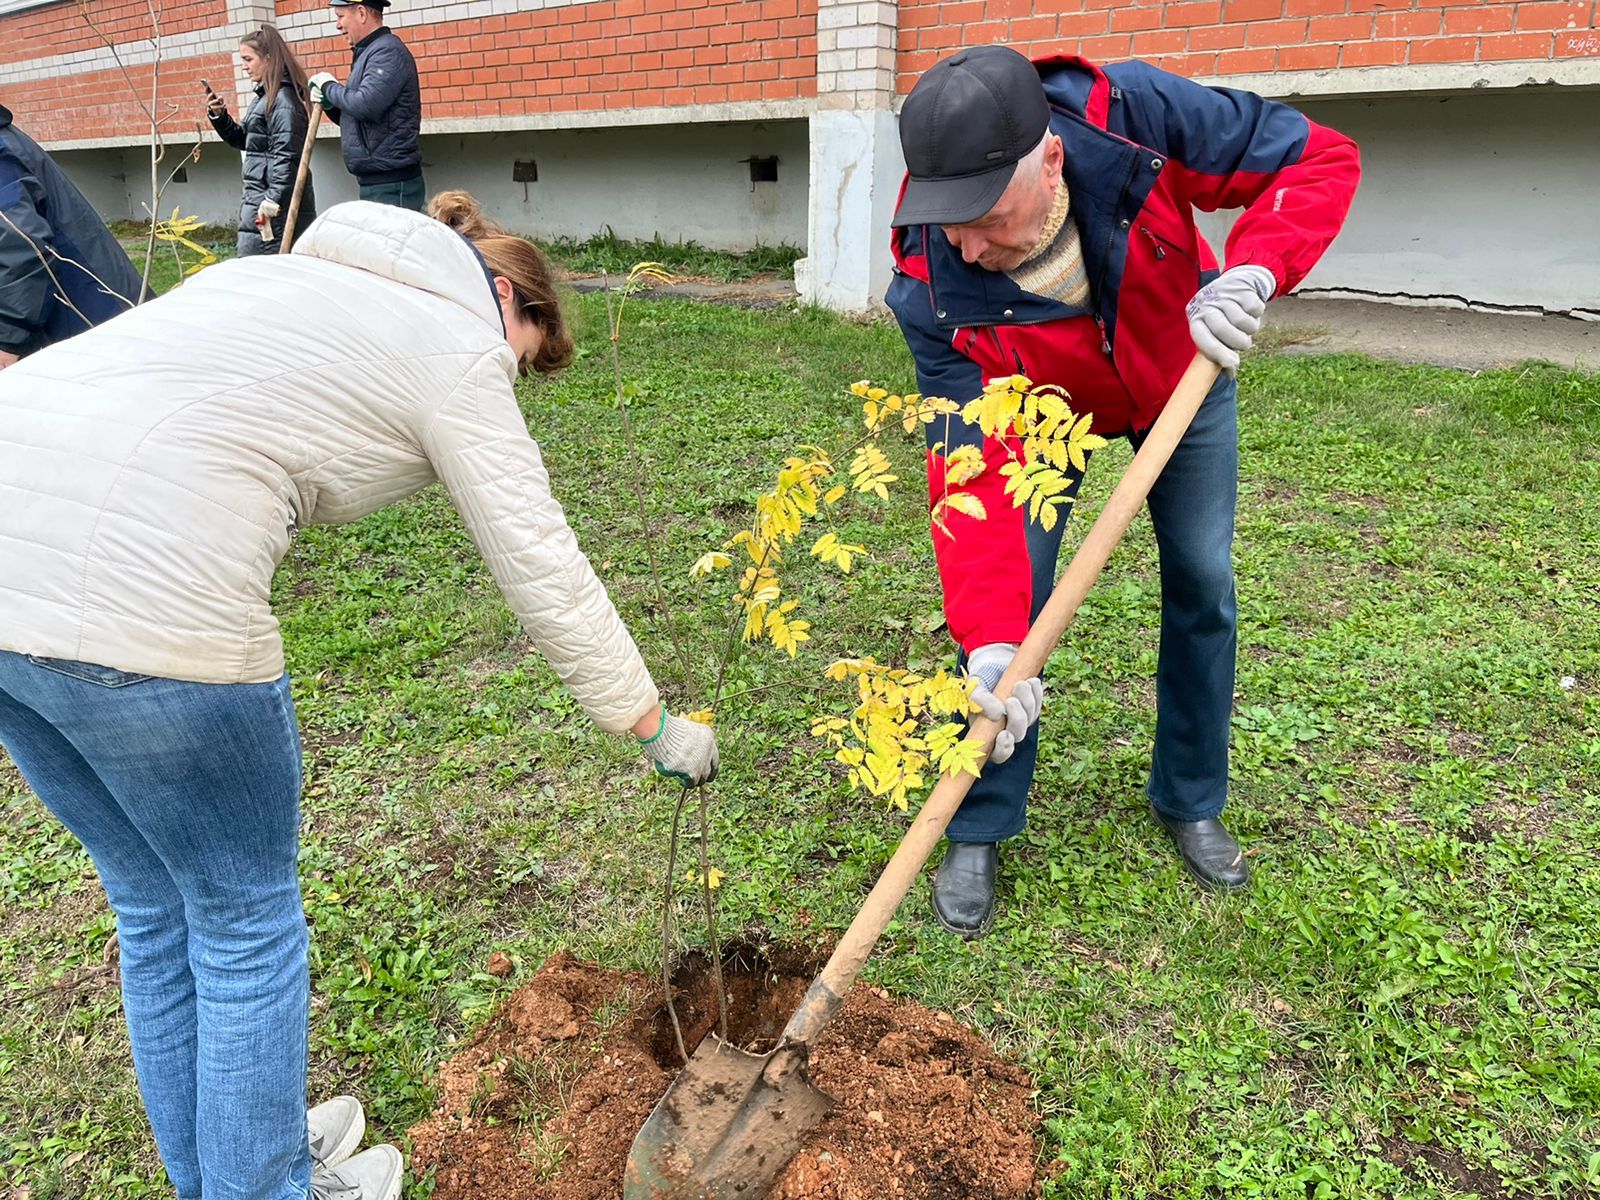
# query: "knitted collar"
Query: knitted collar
1060,206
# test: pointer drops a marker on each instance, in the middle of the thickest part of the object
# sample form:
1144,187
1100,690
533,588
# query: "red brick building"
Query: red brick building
773,120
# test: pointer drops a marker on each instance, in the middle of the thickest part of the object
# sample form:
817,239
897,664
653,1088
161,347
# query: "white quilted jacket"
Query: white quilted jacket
152,470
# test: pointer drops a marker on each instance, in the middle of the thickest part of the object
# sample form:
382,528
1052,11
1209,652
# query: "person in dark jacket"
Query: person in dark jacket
1046,229
272,135
61,271
378,109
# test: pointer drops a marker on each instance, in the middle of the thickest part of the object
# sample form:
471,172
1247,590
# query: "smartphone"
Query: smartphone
209,92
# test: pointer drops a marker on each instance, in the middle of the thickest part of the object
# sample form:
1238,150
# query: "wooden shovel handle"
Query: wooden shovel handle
300,179
828,990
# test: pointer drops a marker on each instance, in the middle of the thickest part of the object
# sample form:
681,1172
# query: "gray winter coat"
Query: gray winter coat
271,143
45,212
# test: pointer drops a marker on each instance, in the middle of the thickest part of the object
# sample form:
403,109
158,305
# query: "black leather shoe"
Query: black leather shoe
963,889
1208,850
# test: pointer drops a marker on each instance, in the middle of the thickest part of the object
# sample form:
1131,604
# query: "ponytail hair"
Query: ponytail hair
518,260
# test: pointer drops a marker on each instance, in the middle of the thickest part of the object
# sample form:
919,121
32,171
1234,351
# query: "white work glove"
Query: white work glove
316,83
1018,712
1225,314
265,212
682,749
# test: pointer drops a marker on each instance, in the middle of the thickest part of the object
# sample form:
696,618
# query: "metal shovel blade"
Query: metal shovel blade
727,1127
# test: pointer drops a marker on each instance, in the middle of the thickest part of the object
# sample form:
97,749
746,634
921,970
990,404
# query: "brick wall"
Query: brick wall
614,54
526,58
1237,37
564,57
62,28
101,104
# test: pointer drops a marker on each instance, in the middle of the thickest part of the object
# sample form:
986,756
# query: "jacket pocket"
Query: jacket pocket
88,672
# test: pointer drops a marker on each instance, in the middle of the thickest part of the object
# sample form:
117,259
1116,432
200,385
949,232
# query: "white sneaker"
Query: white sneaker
374,1174
334,1129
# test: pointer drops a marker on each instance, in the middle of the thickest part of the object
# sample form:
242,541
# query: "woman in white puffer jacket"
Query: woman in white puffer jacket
152,472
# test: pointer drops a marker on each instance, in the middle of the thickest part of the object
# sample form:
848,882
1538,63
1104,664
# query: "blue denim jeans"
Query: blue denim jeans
1191,510
187,797
404,193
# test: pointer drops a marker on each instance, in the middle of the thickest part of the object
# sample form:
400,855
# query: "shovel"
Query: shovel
732,1120
300,179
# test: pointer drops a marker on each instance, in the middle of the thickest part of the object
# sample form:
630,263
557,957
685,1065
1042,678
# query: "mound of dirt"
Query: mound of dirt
544,1104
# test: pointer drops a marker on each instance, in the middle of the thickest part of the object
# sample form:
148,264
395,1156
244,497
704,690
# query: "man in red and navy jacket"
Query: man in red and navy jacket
1046,229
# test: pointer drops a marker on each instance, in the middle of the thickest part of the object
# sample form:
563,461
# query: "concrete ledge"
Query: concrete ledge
614,118
1357,82
1446,77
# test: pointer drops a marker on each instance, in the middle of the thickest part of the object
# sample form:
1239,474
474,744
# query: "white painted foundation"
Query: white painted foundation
684,182
1486,199
1483,200
856,167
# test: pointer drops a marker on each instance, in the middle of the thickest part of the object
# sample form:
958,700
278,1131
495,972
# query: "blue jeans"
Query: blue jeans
403,193
1191,510
187,797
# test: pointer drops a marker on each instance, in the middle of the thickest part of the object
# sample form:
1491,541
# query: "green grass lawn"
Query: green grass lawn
1404,1004
602,253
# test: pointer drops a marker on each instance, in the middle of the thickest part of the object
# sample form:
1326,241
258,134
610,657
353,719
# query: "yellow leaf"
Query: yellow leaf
963,465
828,727
712,561
966,755
835,494
701,716
654,272
966,502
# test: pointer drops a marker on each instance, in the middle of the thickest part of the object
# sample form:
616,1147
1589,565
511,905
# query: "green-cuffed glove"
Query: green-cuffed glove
682,749
316,83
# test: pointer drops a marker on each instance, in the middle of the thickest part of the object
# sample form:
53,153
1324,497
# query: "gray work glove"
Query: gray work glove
1225,314
685,750
1018,712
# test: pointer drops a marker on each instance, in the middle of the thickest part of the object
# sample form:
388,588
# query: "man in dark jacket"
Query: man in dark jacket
1047,229
61,271
378,109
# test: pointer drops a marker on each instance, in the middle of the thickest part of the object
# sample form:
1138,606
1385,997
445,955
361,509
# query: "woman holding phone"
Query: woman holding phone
272,134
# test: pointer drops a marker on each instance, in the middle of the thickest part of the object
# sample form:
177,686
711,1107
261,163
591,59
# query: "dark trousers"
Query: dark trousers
1191,510
403,193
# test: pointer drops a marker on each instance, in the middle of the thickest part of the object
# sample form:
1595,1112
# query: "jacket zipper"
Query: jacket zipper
1122,198
1160,242
1000,349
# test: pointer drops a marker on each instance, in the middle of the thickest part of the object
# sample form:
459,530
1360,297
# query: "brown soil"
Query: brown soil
544,1104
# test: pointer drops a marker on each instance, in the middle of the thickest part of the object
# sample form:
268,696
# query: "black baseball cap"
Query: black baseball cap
971,118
